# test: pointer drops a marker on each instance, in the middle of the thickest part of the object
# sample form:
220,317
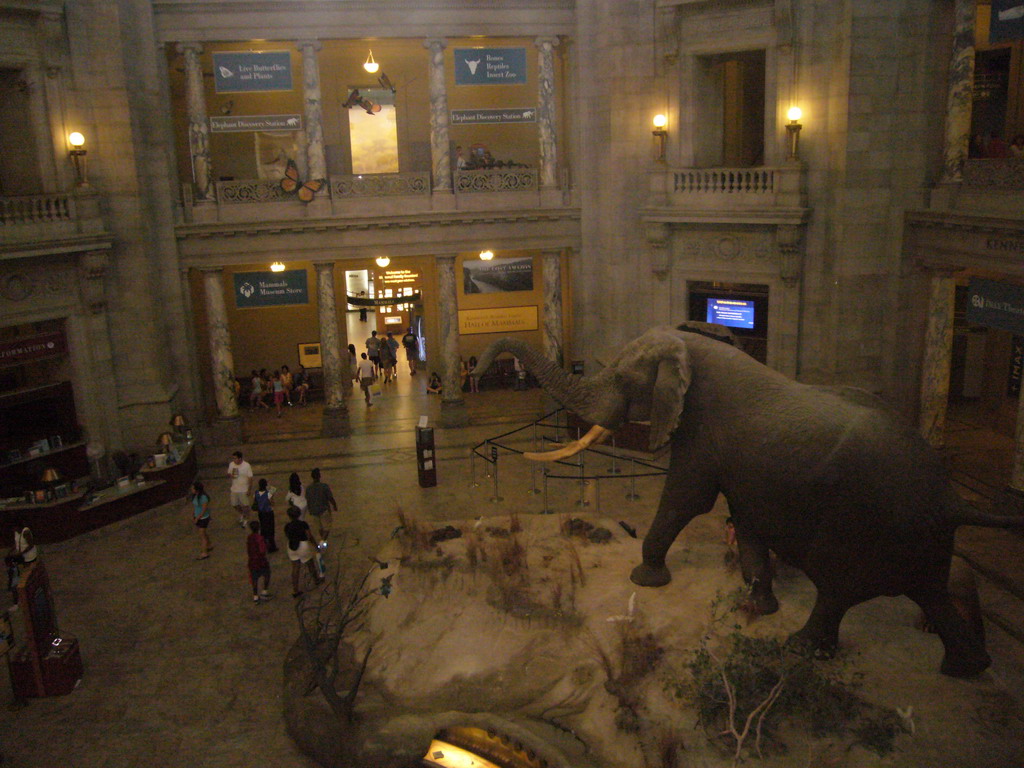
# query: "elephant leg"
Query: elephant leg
756,566
965,654
686,495
819,637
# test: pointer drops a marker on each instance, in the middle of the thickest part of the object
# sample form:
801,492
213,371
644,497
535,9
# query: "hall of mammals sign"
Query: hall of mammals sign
270,289
498,320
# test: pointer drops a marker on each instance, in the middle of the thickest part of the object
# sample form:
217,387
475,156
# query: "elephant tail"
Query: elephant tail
965,514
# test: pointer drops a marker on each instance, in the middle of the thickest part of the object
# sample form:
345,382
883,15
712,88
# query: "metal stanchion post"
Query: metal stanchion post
615,466
494,458
472,469
487,467
582,501
632,495
534,490
547,510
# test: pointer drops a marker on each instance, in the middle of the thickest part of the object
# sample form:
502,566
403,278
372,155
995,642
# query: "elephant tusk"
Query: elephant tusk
596,435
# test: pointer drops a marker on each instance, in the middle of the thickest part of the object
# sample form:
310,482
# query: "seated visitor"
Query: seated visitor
434,385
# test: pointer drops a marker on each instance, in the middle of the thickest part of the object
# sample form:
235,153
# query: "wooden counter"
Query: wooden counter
64,518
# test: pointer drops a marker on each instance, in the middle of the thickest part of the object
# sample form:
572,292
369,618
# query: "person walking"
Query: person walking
393,345
263,503
201,518
474,381
259,566
278,386
365,373
373,351
296,497
411,346
240,472
300,549
321,503
387,361
353,363
256,393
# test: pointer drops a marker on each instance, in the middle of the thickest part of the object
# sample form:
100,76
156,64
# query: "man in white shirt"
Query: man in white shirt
365,373
240,472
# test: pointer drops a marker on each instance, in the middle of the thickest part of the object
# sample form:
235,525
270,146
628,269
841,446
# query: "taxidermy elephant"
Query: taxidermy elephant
824,477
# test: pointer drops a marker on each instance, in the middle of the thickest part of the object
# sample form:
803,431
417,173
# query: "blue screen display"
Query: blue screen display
735,313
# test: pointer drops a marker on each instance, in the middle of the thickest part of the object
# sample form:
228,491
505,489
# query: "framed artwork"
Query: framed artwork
309,355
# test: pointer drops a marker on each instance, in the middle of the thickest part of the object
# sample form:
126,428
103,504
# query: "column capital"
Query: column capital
210,270
189,45
435,44
552,252
548,42
443,256
323,266
302,45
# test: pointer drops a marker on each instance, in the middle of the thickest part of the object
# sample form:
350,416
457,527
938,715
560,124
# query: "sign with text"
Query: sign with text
490,66
270,289
1016,366
1007,21
481,116
996,305
247,71
32,348
498,320
497,276
241,123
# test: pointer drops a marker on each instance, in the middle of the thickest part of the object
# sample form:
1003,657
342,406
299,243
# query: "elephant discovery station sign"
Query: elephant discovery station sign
270,289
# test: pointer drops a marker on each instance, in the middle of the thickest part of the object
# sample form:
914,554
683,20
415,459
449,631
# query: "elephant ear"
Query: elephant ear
670,385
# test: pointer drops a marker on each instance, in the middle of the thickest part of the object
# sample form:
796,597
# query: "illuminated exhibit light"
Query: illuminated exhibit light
277,266
370,65
486,255
382,261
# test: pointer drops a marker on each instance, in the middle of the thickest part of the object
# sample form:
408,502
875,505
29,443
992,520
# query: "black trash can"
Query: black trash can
426,460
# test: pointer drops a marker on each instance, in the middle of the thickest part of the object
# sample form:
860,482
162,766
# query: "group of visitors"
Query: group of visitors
280,387
304,546
380,360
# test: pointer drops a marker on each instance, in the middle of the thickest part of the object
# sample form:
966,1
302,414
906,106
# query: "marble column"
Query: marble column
198,125
959,94
336,423
439,155
553,306
315,154
938,354
453,407
220,344
546,112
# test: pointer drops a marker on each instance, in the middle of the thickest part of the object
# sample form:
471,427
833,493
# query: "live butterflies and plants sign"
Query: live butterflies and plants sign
249,71
271,289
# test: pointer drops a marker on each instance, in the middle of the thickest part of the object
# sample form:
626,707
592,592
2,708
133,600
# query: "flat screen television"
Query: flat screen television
734,313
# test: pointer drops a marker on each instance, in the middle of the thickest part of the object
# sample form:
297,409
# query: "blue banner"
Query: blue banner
996,305
1007,21
490,66
270,289
244,71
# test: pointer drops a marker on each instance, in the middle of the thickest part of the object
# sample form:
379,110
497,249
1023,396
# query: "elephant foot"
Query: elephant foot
650,575
764,605
965,664
810,646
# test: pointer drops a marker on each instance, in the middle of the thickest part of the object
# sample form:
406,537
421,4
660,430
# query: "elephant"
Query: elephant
827,478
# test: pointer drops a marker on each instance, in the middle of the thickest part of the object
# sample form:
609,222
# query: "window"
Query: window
374,137
730,106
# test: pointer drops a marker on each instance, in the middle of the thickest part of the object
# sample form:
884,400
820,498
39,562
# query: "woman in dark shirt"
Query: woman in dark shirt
301,548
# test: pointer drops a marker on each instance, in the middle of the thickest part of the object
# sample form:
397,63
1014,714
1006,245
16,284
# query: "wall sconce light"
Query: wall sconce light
370,65
178,422
660,132
277,266
77,142
382,261
486,255
793,132
165,439
50,475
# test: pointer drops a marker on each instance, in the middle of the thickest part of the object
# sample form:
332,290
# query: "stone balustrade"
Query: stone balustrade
497,180
995,174
250,191
380,185
48,217
729,188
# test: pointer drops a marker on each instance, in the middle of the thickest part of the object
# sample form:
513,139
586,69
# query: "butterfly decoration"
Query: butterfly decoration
304,190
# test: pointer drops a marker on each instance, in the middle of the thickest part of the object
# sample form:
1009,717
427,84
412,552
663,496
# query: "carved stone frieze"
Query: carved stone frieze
710,247
35,284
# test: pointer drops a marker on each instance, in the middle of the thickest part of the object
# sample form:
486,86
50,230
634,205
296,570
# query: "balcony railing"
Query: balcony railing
50,217
496,180
993,174
734,189
249,191
380,185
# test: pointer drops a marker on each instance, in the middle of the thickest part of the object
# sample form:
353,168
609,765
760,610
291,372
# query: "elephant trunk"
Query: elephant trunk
571,391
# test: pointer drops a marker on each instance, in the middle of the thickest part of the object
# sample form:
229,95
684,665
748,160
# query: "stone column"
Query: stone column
959,94
453,407
938,354
198,125
220,344
553,306
315,156
546,112
439,141
336,422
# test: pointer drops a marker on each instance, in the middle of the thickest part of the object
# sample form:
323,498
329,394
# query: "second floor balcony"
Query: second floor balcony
52,217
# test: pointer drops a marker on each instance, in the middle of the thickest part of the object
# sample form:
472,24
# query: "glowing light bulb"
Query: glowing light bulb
795,113
370,65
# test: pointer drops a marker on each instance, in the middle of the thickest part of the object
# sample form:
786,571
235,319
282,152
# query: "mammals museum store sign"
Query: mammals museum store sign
270,289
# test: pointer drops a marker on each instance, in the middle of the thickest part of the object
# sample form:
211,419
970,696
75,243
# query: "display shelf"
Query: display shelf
51,452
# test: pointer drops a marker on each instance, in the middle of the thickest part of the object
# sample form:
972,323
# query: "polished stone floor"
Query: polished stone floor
182,669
